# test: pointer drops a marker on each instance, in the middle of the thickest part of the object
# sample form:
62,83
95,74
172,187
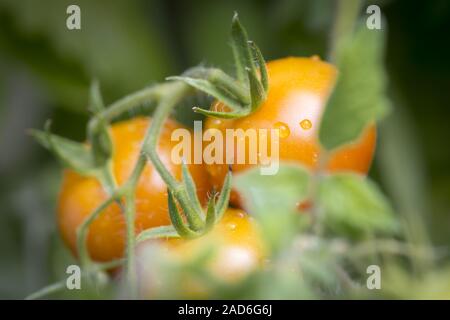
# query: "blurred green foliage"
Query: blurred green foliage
45,71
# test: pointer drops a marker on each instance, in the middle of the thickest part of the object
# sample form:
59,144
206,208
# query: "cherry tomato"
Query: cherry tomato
80,195
298,90
236,236
235,246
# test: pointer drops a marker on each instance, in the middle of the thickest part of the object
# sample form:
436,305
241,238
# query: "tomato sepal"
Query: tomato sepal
157,233
177,220
212,89
242,95
220,114
71,154
191,189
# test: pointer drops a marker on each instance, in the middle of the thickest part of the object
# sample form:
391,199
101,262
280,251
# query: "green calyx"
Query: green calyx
242,95
192,222
214,210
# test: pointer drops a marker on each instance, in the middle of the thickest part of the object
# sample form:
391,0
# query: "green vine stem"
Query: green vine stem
168,95
83,229
129,102
179,90
60,285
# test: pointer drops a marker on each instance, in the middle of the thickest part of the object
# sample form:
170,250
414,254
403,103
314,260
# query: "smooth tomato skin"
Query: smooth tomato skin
80,196
298,90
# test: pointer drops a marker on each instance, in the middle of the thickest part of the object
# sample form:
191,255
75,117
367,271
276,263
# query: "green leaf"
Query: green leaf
403,173
273,199
359,94
72,154
157,233
277,192
353,205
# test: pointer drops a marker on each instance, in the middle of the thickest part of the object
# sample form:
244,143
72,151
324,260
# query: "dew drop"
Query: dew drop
306,124
283,128
315,156
240,214
232,226
315,57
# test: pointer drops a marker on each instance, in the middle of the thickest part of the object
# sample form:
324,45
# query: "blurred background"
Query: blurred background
46,69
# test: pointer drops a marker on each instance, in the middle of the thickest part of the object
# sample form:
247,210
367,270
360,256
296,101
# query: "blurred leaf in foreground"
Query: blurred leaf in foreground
403,173
400,284
273,199
358,97
354,205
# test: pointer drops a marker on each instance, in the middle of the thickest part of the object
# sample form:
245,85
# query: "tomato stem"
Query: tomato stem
82,232
130,209
61,285
178,91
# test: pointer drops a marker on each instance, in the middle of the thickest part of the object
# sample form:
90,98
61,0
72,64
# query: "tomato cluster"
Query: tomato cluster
81,195
299,88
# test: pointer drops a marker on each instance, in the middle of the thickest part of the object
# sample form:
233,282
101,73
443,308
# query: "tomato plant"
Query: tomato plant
81,195
123,191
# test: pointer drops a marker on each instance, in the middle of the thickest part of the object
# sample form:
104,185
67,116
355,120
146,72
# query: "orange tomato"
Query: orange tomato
235,246
298,90
238,243
80,195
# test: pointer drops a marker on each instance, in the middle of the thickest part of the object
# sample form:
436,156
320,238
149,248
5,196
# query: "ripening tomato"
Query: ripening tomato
235,246
240,247
298,90
80,195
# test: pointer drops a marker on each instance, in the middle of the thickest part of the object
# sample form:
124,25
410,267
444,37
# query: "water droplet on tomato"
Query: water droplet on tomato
306,124
283,129
240,214
315,57
232,226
